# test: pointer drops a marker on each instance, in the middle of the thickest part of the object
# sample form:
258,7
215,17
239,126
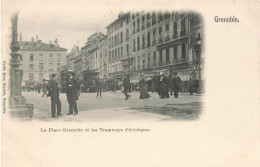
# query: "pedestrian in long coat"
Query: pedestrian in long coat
176,83
72,93
164,90
126,87
44,88
53,92
99,86
143,89
191,86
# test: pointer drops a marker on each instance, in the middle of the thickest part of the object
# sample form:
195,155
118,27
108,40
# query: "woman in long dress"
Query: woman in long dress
164,91
143,89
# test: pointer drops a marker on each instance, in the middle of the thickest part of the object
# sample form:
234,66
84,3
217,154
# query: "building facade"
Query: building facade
145,43
103,60
118,34
165,41
40,60
70,58
90,53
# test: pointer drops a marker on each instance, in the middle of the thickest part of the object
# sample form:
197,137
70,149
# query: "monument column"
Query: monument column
17,103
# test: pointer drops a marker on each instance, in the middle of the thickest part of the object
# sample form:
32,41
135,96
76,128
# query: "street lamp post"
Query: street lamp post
197,48
129,71
17,103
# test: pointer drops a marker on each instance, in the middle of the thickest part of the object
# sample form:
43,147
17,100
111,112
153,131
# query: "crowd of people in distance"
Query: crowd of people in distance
163,85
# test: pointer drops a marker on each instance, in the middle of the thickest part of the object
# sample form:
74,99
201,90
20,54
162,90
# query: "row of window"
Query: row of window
41,58
183,56
117,54
117,25
115,68
174,25
117,39
31,76
161,38
155,15
142,62
41,66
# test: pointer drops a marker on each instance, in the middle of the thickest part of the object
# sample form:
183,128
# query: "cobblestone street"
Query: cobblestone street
112,106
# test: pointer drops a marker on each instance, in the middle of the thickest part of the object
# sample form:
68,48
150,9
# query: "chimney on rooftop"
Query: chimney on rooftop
32,39
36,38
56,43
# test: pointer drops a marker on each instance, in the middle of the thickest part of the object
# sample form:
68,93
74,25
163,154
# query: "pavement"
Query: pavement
112,107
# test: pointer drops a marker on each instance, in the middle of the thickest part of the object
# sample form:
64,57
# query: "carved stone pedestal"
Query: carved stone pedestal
18,108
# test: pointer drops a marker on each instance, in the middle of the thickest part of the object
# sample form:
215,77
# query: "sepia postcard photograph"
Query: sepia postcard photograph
129,83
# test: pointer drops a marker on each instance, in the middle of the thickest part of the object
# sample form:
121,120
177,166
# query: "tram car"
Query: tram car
89,80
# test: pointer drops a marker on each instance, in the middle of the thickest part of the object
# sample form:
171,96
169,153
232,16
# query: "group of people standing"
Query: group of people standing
72,88
71,92
162,87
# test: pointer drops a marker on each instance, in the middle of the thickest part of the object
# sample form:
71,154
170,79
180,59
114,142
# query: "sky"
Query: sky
68,26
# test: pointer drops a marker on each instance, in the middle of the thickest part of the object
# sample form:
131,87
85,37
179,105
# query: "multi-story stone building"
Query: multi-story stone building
40,60
90,53
88,63
71,57
118,34
165,41
103,60
147,43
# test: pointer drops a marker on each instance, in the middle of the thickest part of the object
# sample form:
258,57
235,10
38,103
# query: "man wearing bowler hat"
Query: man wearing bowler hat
53,92
176,83
72,93
126,87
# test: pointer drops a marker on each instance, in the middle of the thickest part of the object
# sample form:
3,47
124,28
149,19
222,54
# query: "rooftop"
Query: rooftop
119,18
39,46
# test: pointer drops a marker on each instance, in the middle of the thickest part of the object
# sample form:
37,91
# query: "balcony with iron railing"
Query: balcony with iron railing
127,38
160,40
174,36
143,27
143,66
148,44
154,42
184,59
180,60
167,62
138,29
154,64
